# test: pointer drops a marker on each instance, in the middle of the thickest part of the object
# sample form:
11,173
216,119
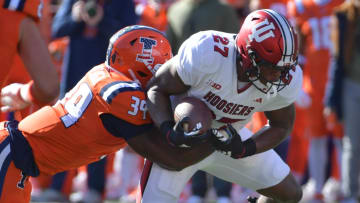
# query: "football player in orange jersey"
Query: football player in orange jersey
18,22
104,112
312,18
276,5
19,34
31,8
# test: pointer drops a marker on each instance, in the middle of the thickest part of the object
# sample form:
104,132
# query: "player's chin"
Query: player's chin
273,79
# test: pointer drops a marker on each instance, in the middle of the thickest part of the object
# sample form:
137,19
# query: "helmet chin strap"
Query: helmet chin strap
270,88
134,76
113,69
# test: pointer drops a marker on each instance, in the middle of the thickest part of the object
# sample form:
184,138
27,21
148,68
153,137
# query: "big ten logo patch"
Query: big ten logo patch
213,84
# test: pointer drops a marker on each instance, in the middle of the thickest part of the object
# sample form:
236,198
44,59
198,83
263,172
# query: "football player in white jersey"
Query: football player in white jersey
235,75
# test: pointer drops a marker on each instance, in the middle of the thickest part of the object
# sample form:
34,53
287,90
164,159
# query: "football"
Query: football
197,111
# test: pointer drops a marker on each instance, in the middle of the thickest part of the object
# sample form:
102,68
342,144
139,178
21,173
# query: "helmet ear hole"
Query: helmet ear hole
142,74
113,57
132,42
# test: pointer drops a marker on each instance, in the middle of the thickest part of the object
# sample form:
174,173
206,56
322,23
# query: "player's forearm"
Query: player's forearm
154,147
159,106
37,60
172,158
269,137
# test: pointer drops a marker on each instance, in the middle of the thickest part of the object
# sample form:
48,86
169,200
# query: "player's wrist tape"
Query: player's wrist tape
27,94
166,128
248,149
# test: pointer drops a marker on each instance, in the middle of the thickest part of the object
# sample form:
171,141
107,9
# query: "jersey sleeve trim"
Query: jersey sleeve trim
14,5
111,90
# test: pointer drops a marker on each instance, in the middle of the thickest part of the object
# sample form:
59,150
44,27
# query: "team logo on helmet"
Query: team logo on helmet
261,34
146,53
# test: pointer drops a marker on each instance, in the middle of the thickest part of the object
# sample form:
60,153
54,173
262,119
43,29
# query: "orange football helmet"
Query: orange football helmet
138,51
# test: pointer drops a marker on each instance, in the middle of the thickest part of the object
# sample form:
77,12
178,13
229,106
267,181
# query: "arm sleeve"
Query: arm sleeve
121,128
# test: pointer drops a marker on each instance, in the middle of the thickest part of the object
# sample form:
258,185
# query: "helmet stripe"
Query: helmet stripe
291,51
131,28
287,35
292,37
289,44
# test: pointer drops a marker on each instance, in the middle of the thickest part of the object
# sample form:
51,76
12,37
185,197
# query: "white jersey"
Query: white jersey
207,62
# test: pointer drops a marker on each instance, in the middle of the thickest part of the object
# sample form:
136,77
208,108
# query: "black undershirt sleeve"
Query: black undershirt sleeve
121,128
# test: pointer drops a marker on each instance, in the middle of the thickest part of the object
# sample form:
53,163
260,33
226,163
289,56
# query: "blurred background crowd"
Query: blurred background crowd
324,146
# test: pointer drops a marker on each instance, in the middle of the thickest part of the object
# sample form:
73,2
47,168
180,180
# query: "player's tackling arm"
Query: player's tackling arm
37,60
44,86
154,147
165,83
281,123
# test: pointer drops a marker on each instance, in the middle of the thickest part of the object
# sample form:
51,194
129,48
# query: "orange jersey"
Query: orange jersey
31,8
10,22
313,21
82,127
276,5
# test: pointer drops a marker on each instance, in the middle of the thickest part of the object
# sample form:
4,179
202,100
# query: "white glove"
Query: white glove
222,135
303,100
13,97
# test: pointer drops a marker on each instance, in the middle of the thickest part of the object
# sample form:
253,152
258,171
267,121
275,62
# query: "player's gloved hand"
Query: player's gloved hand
176,135
229,142
13,97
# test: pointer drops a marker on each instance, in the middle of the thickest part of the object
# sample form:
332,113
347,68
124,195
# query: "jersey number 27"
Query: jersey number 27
222,41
